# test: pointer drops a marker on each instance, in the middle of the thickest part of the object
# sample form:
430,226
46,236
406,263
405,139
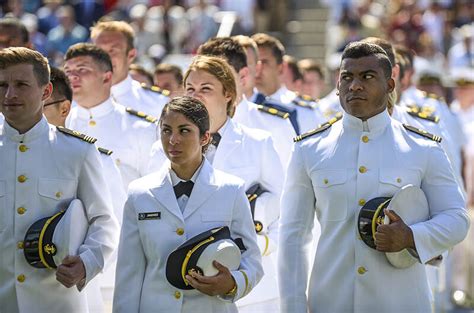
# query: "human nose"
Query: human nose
174,138
10,93
355,85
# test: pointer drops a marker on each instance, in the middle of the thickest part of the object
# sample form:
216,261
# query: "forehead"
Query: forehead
175,118
201,77
84,60
361,64
165,76
265,53
109,37
23,72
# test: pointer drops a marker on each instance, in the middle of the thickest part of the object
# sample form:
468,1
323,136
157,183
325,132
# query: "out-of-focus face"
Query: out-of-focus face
21,97
87,79
56,109
267,79
252,66
11,37
167,81
465,95
182,143
209,90
139,77
313,84
363,88
115,44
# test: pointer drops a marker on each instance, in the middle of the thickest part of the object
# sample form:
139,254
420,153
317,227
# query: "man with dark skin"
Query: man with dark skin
334,171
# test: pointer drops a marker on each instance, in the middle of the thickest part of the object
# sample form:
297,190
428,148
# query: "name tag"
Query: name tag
149,216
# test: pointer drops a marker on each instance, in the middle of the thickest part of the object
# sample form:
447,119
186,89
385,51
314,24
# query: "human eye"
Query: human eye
368,76
189,90
185,130
345,77
165,130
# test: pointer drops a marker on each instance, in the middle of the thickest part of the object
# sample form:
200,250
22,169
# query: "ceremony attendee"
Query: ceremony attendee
129,136
313,78
161,214
43,167
140,74
13,33
334,171
169,77
268,83
116,38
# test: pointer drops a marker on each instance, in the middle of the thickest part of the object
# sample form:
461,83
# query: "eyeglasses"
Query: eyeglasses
54,102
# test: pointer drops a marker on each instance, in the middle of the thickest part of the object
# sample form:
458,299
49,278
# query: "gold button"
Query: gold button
399,180
361,270
19,244
177,294
92,123
21,178
365,139
361,202
326,181
21,278
22,148
362,169
21,210
180,231
58,194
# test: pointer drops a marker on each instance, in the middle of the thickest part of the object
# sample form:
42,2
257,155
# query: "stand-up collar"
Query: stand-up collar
39,129
125,86
374,124
96,112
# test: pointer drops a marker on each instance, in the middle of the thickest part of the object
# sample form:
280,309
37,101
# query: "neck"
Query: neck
26,126
93,102
216,125
187,170
118,79
248,92
372,115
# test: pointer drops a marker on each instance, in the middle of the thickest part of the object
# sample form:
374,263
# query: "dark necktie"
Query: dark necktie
216,138
183,188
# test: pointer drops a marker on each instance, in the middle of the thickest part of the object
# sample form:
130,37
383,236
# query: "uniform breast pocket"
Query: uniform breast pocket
392,179
3,205
330,191
216,219
53,191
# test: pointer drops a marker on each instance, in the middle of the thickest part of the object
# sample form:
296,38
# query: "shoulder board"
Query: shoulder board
321,128
308,98
140,114
423,115
433,96
76,134
273,111
299,101
423,133
105,151
156,89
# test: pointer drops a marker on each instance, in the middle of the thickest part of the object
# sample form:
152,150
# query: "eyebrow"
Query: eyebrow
179,126
206,83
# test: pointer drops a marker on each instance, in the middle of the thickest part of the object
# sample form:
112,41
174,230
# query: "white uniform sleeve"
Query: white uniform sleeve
157,157
296,222
130,272
449,221
147,138
102,236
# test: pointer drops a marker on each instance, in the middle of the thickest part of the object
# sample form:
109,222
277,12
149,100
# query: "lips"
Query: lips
352,98
174,152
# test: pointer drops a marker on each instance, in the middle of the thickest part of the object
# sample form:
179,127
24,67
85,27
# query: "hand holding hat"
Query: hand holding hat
395,236
220,284
71,272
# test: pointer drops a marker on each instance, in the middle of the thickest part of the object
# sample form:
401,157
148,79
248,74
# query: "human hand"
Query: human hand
395,236
71,271
219,284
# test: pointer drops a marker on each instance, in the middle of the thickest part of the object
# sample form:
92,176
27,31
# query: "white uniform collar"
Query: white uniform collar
125,86
175,179
375,124
96,112
35,132
222,130
283,95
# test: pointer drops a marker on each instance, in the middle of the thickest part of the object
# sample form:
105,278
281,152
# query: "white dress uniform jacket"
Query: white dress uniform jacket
39,170
129,137
217,199
130,93
332,174
308,118
248,114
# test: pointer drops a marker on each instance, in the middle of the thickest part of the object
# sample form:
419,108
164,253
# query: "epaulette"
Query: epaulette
156,89
273,111
76,134
105,151
319,129
305,102
423,115
427,109
433,96
423,133
140,114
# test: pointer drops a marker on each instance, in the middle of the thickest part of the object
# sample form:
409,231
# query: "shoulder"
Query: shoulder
433,96
421,134
272,112
143,184
228,181
69,133
421,113
305,101
320,129
154,90
141,115
254,134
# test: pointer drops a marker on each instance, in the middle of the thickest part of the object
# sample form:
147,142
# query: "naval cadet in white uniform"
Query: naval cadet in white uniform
334,171
186,197
246,153
42,166
130,137
117,39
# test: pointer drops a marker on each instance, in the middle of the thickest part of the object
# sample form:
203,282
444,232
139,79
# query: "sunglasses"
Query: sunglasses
54,102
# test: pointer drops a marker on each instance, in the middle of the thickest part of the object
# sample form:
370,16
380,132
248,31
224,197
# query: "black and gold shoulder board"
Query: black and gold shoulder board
156,89
319,129
423,115
143,115
304,102
423,133
273,111
76,134
105,151
434,96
